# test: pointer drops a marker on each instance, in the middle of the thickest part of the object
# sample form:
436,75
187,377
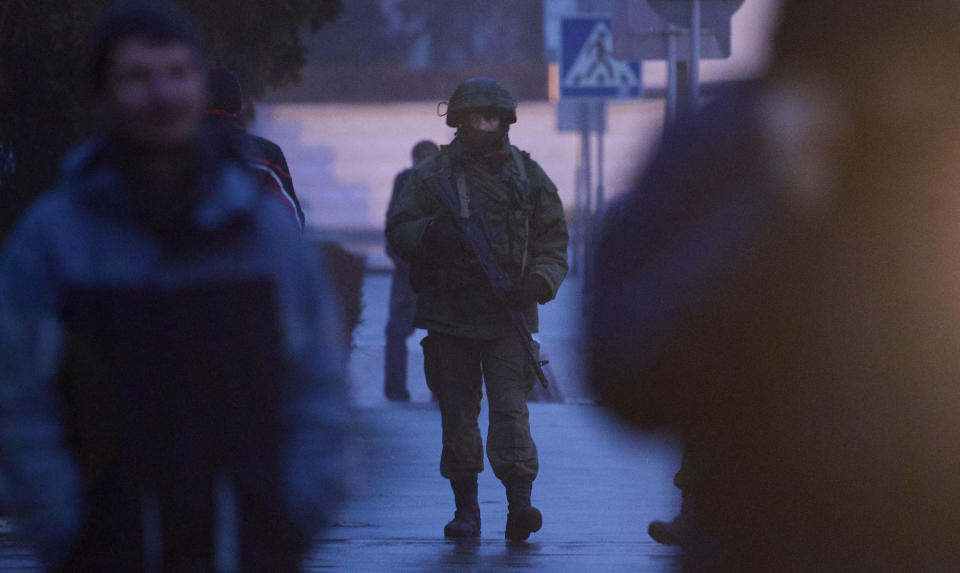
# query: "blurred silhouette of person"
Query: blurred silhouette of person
226,113
264,156
171,363
403,301
781,288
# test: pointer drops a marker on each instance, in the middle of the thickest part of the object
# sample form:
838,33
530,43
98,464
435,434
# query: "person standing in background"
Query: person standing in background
263,156
403,300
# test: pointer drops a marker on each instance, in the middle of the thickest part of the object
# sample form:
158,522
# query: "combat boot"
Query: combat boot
466,520
522,518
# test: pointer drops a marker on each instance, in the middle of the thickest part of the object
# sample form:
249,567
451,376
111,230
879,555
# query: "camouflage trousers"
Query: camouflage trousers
456,369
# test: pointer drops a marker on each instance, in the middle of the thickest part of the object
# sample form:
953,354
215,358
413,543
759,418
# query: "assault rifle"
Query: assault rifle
499,280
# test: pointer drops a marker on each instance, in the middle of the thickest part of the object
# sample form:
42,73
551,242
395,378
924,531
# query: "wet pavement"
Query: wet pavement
600,483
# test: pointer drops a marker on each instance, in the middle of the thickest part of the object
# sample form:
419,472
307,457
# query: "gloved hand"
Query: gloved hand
533,288
442,239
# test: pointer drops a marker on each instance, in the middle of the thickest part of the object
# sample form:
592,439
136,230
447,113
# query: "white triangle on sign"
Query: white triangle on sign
594,66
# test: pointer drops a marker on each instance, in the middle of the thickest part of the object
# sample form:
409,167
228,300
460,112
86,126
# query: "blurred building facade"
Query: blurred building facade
374,80
405,50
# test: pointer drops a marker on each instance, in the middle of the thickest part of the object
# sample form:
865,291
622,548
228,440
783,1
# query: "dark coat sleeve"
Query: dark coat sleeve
548,232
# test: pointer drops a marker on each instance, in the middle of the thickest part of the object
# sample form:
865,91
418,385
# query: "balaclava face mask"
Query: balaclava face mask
482,141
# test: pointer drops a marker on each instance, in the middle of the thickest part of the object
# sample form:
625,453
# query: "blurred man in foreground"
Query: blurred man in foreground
781,288
169,354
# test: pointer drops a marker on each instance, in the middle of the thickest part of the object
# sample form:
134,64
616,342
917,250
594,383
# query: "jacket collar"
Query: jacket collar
226,193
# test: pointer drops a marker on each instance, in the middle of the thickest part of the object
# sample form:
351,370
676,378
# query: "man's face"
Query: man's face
484,120
157,92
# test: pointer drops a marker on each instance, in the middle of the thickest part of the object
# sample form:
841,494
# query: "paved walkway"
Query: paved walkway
599,483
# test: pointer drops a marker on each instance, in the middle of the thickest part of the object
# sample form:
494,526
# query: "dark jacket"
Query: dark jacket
399,183
163,351
266,159
522,217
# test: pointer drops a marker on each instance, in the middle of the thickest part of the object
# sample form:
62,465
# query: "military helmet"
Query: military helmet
477,93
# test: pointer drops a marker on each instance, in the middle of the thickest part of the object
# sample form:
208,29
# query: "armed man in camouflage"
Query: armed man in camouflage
471,338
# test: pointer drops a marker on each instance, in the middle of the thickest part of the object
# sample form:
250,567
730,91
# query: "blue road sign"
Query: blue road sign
588,69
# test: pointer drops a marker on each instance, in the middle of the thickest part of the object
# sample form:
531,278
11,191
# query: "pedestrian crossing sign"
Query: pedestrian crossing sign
587,67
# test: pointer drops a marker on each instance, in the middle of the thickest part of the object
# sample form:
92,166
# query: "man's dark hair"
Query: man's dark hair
225,91
424,149
154,21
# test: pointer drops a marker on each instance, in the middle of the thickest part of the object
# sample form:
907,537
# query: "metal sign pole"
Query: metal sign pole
595,211
601,110
671,111
585,149
583,222
695,28
589,73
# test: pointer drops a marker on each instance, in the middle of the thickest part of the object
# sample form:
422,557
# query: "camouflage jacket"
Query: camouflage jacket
521,214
